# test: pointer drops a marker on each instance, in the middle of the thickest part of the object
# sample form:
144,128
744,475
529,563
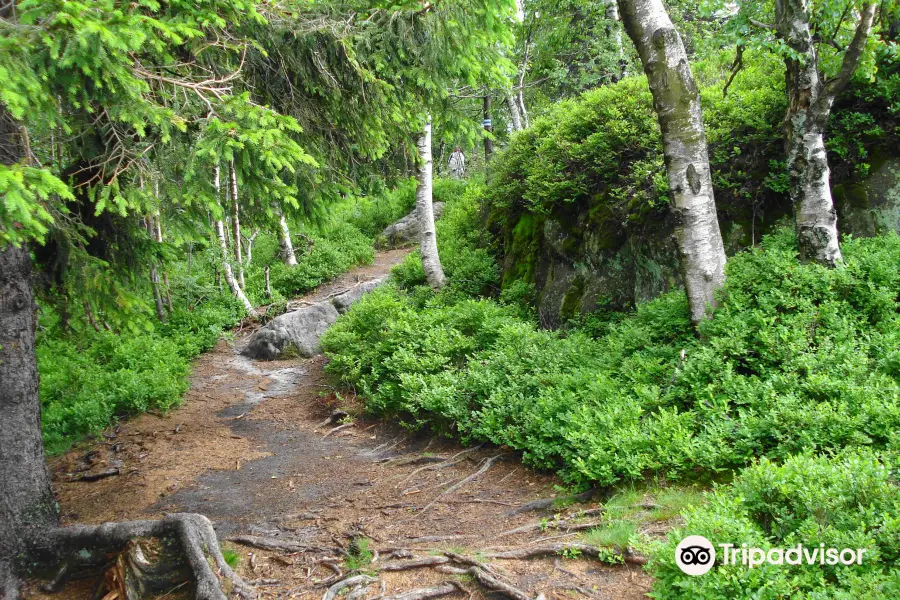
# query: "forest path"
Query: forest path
250,449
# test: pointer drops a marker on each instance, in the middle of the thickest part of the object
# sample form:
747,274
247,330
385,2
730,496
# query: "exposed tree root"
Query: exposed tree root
86,549
446,463
565,523
545,503
556,549
484,467
417,563
448,587
354,581
275,544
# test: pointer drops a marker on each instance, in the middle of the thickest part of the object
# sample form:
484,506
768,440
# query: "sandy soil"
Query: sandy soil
251,449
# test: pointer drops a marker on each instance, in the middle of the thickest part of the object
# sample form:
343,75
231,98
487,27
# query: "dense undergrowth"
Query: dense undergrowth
798,357
799,364
90,377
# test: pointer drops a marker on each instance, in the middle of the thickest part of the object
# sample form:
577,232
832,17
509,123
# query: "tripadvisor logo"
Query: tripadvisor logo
696,555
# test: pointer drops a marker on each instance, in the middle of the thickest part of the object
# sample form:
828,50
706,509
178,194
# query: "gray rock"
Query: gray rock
406,230
298,330
343,302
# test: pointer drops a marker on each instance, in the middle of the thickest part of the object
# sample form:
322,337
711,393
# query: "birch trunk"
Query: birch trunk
612,13
431,262
159,238
248,257
677,103
284,240
154,275
226,264
236,226
522,109
810,100
514,114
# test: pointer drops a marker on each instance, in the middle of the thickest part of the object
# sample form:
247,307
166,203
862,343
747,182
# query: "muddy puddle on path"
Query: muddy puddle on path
250,448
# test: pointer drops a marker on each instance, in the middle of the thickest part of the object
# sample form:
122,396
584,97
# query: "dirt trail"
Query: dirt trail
249,449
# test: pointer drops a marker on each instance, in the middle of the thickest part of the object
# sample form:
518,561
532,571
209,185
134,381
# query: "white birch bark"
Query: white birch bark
284,241
677,103
810,99
248,256
154,275
226,264
159,239
431,262
236,226
514,115
612,13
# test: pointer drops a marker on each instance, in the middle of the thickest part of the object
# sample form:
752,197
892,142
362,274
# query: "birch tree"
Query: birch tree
236,225
810,98
227,269
431,262
284,241
676,99
823,44
514,113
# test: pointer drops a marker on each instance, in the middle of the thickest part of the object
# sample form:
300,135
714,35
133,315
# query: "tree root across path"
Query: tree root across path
453,563
188,554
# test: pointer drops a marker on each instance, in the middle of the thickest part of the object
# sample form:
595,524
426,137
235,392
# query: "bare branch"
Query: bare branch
854,51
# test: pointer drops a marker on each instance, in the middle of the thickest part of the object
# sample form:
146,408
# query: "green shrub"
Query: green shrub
84,385
331,254
798,357
850,500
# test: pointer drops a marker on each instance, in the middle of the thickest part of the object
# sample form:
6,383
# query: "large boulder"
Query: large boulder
343,301
406,230
298,331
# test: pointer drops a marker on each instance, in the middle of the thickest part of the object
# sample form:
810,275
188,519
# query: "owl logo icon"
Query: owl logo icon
695,555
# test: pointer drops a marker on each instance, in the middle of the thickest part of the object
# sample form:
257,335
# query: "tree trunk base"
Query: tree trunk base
136,559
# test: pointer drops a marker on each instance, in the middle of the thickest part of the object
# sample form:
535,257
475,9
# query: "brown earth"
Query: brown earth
251,449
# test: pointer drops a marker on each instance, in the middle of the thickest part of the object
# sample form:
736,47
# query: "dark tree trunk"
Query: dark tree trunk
26,502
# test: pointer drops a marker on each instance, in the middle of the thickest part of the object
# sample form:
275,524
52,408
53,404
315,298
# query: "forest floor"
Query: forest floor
252,448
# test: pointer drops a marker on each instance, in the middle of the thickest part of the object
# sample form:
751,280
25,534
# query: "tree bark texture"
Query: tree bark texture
431,262
810,99
154,274
226,263
284,240
26,502
612,13
514,114
676,99
236,226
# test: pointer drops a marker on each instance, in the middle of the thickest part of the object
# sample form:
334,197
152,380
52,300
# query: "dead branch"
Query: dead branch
89,477
339,428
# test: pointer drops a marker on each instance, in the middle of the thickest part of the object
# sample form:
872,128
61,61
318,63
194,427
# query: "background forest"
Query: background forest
192,167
